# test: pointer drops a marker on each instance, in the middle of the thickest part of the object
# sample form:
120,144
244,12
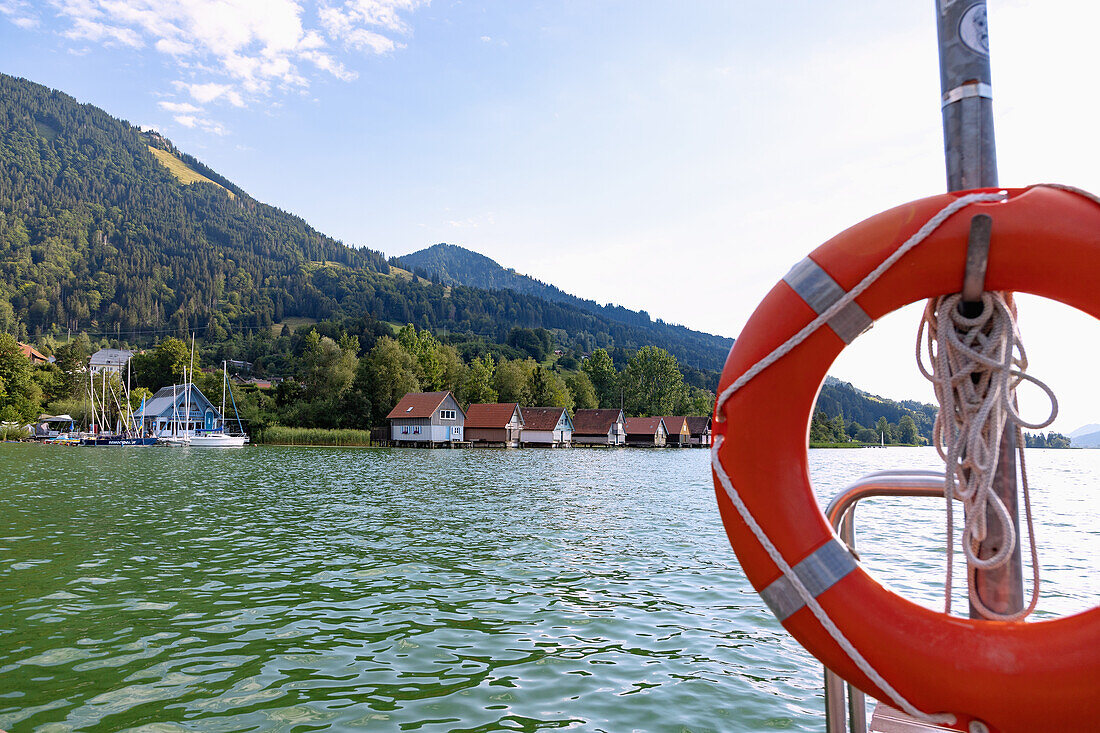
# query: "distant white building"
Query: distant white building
110,360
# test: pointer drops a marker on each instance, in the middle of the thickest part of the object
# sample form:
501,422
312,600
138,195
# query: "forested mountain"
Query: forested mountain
454,265
839,398
97,234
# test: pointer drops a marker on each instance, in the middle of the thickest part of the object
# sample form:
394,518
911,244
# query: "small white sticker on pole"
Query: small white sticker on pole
974,29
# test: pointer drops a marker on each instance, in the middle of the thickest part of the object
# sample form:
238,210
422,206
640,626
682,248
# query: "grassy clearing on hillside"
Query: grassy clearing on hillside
183,172
45,130
407,276
293,322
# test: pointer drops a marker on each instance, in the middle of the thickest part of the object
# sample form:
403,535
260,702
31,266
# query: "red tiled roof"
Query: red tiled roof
594,422
496,415
31,353
418,404
642,425
540,418
698,425
674,424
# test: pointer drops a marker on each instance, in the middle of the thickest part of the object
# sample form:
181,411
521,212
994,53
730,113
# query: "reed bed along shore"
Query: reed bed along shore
281,435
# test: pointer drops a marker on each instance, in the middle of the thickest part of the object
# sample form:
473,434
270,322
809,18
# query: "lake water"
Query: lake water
296,589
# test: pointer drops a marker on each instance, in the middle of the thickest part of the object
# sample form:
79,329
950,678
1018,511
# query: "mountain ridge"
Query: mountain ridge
98,235
453,264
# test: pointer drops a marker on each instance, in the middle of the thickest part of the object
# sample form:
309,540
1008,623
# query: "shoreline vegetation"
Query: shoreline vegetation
857,444
341,379
315,437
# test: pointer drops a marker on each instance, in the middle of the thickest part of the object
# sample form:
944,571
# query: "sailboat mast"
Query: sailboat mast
129,407
91,397
190,380
225,378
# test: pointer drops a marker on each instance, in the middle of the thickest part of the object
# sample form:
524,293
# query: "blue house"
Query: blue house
167,413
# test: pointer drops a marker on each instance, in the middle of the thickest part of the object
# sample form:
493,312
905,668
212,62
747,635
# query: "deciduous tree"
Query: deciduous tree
605,379
652,382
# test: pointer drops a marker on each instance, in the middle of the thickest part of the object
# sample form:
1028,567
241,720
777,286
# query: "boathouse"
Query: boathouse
169,413
649,432
497,424
548,427
427,418
599,427
679,435
699,429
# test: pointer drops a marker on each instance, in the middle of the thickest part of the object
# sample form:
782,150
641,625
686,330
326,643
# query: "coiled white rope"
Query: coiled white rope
977,363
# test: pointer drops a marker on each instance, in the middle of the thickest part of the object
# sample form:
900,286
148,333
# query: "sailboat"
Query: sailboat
219,438
182,433
128,430
177,437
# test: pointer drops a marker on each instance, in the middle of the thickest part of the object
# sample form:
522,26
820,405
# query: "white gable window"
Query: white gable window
447,415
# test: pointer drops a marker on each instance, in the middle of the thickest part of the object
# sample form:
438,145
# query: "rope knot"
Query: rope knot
977,361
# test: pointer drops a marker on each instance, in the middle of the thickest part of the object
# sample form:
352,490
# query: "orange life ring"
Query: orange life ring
1036,676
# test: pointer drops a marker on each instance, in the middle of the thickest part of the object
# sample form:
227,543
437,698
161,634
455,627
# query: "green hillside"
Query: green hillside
113,231
454,265
97,234
860,409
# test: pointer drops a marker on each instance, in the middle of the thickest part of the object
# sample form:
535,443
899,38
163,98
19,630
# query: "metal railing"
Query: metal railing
844,702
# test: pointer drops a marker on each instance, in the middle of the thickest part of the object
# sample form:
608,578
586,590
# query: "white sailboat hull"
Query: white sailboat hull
217,440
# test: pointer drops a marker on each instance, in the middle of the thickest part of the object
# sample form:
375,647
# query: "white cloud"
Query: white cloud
211,91
486,39
235,51
174,47
19,12
200,123
179,107
346,25
109,35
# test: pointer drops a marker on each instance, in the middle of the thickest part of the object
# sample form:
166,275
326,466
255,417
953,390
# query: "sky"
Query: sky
670,157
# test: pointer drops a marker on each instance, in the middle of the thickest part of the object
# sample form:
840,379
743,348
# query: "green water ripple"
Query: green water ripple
280,589
296,589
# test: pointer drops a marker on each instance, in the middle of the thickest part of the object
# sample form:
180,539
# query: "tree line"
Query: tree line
351,374
825,429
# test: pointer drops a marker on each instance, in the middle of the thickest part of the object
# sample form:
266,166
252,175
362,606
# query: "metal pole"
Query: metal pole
967,95
971,157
